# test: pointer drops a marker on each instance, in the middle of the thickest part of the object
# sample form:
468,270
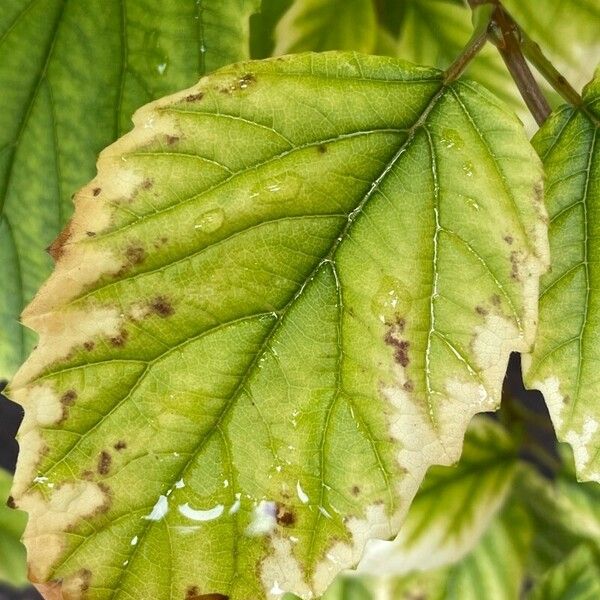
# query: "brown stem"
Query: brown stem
505,34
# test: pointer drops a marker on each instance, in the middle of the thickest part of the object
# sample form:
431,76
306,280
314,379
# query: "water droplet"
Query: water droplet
324,512
264,519
236,505
452,139
392,300
468,168
209,514
301,493
281,188
160,509
210,220
180,484
471,202
226,483
134,541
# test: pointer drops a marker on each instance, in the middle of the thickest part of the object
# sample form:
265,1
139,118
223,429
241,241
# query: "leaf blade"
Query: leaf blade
276,224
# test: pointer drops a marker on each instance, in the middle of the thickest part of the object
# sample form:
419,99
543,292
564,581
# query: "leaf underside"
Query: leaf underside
72,74
282,298
564,364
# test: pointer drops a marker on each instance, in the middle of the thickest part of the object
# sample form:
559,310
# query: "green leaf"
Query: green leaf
565,513
495,568
12,523
578,577
453,508
71,75
327,25
282,298
262,27
564,362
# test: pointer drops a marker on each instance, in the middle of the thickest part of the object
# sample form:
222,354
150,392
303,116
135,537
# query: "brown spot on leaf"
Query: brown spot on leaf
85,576
192,593
68,398
496,301
514,262
89,345
400,348
285,516
120,445
57,248
162,307
194,97
147,184
171,139
119,340
355,490
104,462
135,254
322,148
96,191
90,233
509,239
10,502
247,79
480,310
408,385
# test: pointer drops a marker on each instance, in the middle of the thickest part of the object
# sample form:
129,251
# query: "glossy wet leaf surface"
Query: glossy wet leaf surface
71,74
282,298
564,365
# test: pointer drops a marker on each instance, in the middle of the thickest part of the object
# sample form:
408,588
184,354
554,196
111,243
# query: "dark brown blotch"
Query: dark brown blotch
85,576
89,345
120,445
162,307
514,269
147,184
192,593
90,233
135,254
194,97
10,502
355,490
285,516
96,191
68,398
104,462
400,348
119,340
57,248
408,385
321,148
480,310
509,239
247,79
171,139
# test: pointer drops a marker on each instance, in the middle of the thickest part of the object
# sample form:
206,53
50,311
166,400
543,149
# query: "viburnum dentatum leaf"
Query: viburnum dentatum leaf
281,300
564,365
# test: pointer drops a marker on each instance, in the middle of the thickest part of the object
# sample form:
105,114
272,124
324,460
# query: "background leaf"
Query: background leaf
320,25
453,508
578,577
12,523
71,75
564,363
239,304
